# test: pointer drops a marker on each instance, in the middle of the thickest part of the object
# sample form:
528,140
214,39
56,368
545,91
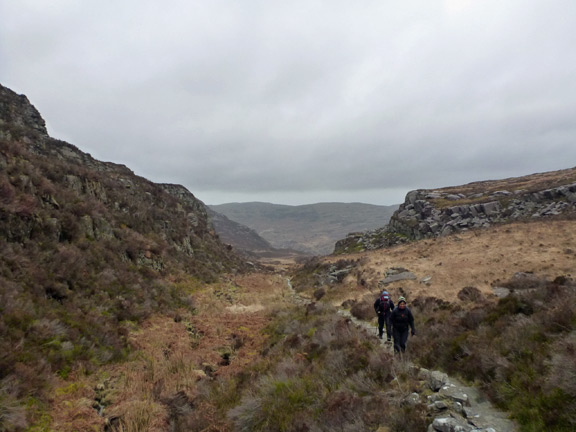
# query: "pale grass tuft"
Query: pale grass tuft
563,367
138,416
12,415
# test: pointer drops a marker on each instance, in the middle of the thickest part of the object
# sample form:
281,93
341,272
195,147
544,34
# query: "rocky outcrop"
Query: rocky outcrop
369,240
441,212
421,217
18,115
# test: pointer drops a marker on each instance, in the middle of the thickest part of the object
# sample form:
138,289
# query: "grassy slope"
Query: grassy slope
481,259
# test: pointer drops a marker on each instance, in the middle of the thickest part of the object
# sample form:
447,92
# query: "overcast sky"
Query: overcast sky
302,101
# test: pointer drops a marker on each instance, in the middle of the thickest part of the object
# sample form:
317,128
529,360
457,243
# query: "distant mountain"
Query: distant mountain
312,228
245,240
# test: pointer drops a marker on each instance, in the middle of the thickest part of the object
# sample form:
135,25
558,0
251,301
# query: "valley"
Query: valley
311,229
123,309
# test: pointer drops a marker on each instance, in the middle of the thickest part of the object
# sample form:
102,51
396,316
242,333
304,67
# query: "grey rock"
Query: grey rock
502,193
398,277
418,218
426,280
453,197
491,208
452,392
412,399
439,405
437,380
501,292
451,424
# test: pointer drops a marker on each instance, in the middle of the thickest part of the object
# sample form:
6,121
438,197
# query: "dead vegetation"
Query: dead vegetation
482,259
530,183
167,381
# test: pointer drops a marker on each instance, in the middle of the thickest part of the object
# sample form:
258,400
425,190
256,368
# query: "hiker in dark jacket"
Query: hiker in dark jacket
402,321
383,306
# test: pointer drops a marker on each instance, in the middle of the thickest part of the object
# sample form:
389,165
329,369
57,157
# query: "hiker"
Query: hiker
384,306
402,321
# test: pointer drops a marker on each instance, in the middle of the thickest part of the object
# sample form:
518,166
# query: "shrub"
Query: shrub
516,343
472,294
473,318
327,373
319,293
364,309
12,413
280,404
408,418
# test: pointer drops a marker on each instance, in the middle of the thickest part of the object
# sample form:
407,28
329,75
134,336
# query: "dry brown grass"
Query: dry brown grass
175,355
529,183
477,259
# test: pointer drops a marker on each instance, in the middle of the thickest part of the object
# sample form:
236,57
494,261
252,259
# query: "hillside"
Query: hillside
313,228
495,306
89,251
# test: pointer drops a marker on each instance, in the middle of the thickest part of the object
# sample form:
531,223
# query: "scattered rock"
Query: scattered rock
454,393
451,424
435,379
501,292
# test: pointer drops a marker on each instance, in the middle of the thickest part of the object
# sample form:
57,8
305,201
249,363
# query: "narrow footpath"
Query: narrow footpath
455,406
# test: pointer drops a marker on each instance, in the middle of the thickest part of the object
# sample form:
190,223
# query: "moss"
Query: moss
41,421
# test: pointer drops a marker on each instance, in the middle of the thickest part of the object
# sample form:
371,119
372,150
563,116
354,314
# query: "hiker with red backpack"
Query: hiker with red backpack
402,321
383,306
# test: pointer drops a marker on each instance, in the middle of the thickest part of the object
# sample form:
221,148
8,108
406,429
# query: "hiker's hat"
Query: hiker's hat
401,299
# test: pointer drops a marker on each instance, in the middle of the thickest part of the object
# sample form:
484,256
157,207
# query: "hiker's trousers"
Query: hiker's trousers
384,319
400,339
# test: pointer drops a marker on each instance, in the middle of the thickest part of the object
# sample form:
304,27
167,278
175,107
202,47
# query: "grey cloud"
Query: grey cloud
306,98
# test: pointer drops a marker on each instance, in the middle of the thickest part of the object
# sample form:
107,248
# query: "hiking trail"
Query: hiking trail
455,406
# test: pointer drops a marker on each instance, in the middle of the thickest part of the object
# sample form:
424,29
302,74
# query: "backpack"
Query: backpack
385,297
385,301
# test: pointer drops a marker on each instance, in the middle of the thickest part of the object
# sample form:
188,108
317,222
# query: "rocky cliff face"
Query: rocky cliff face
47,182
439,212
17,113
